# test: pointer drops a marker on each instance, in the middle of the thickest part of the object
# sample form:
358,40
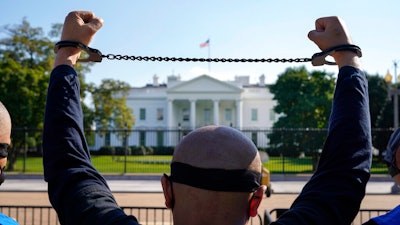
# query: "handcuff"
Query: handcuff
94,55
318,59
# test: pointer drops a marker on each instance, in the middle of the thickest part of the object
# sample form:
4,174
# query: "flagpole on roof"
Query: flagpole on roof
209,56
207,44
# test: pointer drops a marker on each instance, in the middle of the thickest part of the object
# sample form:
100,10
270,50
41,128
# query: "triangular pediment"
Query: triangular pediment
204,84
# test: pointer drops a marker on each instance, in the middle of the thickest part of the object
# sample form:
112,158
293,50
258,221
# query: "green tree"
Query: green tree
110,108
304,102
26,57
26,60
378,99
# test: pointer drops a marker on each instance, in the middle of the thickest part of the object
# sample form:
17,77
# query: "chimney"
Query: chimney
262,80
155,81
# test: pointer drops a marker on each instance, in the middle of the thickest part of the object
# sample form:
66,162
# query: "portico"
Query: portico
204,101
194,113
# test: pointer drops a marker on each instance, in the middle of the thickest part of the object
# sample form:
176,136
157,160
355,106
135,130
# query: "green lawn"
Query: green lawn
160,164
305,165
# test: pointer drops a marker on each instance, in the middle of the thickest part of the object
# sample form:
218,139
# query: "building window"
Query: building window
271,115
185,114
160,114
142,138
142,114
228,114
254,115
207,115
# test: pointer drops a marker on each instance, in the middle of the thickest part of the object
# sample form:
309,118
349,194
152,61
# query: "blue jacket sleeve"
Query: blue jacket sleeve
390,218
334,193
77,191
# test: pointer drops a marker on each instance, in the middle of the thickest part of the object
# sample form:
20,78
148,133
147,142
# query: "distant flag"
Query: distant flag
205,44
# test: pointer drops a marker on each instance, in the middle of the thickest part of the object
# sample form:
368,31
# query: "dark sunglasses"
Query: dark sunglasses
4,150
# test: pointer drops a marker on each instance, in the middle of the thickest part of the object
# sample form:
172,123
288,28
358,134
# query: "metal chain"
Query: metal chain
180,59
318,59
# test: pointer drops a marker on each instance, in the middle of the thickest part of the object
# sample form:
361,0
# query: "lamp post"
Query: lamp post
395,92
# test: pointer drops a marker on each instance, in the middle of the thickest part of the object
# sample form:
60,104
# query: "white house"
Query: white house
204,100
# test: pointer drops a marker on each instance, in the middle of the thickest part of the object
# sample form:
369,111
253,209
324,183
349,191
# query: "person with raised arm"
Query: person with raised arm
201,188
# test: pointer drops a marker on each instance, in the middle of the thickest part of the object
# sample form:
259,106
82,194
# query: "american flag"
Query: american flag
205,44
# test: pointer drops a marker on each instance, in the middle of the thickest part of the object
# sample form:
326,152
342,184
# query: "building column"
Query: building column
216,112
192,114
170,112
239,113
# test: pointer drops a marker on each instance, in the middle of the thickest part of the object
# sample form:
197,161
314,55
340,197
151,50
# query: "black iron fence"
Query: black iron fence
45,215
31,215
149,150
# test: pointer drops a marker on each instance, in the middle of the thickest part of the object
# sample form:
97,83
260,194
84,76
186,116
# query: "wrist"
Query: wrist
67,56
346,58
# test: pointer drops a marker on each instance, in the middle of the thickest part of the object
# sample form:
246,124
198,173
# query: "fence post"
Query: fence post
283,151
126,149
179,132
25,148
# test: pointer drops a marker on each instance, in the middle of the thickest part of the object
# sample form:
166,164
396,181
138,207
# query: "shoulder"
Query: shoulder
389,218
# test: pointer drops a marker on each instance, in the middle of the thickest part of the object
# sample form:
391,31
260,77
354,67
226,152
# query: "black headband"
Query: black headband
3,150
240,180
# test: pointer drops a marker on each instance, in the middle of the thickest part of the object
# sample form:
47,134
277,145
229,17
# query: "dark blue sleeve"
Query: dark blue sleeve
77,192
334,193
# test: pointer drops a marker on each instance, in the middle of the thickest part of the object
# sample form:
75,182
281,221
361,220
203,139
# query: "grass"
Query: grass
134,164
160,164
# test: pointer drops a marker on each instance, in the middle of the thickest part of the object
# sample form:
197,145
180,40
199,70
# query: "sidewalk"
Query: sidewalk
145,176
145,183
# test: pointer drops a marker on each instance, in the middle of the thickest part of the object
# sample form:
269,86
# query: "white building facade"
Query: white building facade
202,101
161,109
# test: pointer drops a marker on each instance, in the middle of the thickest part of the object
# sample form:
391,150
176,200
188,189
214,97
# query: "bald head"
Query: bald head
5,137
5,125
218,147
215,174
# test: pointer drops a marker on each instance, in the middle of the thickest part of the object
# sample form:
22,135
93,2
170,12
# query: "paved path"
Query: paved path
151,184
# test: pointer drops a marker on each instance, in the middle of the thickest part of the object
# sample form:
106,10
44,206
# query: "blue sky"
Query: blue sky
236,29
